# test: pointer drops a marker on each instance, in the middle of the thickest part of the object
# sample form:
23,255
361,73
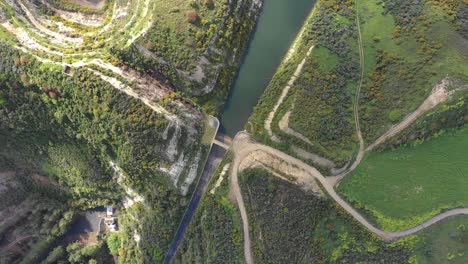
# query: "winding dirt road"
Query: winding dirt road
243,146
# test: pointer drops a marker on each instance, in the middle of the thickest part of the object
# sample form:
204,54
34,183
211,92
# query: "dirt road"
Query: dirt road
284,93
243,146
361,150
438,95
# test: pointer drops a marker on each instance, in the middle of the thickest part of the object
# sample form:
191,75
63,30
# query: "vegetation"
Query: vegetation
215,234
78,253
403,187
418,45
51,124
114,243
444,243
324,89
290,225
35,215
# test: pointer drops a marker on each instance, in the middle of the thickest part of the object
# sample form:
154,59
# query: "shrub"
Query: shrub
192,16
395,115
113,242
209,3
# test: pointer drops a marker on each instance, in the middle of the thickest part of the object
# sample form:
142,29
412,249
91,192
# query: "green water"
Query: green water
278,25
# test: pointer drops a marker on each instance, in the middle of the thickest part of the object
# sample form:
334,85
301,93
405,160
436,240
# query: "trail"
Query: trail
284,93
284,126
243,146
20,239
284,121
361,150
438,95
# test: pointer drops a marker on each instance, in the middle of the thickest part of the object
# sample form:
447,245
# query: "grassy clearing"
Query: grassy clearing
446,242
408,185
325,58
208,134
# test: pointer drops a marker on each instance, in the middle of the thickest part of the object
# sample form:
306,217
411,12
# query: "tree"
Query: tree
395,115
209,3
113,242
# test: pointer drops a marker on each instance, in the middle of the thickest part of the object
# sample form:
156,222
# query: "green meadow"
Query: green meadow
406,186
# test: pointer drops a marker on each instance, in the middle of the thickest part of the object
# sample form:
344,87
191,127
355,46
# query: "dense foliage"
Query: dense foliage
71,127
34,216
215,234
176,50
294,226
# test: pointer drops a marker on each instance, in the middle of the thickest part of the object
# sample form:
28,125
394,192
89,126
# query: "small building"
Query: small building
109,211
110,220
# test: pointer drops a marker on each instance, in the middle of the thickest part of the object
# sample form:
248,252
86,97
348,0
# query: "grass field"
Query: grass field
446,242
326,60
406,186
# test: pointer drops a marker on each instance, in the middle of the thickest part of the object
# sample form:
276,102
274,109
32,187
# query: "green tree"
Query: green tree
113,242
395,115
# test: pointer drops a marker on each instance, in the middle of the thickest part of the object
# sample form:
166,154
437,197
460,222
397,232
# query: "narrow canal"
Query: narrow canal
278,25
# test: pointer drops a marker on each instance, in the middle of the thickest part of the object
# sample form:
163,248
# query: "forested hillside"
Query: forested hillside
100,97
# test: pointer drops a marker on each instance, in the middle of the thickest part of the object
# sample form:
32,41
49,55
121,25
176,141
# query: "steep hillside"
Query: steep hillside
92,97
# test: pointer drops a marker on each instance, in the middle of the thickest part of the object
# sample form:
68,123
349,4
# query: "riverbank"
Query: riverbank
278,25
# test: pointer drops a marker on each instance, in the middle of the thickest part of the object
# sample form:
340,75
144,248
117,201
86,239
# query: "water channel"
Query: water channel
278,25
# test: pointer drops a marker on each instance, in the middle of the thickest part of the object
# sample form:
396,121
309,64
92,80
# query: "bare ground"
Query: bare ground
94,4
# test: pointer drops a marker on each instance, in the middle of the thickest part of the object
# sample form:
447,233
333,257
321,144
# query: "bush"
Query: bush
113,242
395,115
55,255
209,3
192,16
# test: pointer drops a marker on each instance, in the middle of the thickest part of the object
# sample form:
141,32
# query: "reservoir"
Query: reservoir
278,25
